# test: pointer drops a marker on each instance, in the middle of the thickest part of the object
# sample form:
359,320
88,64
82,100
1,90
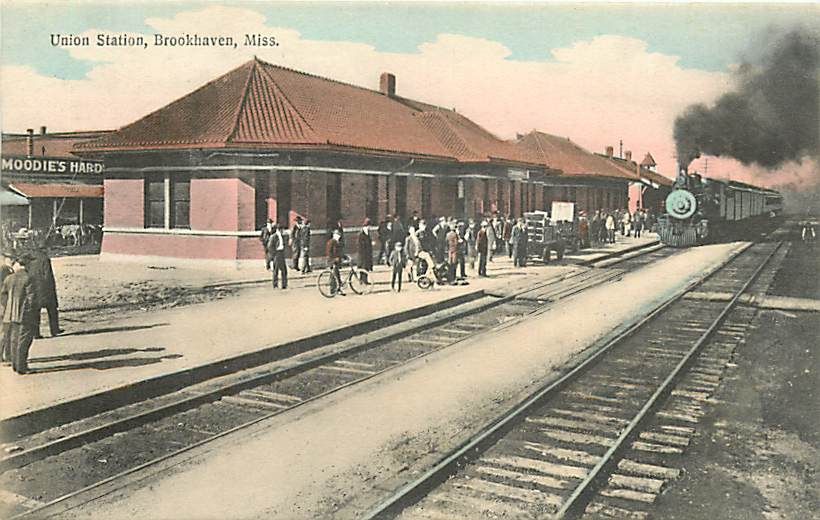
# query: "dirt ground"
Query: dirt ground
111,289
757,453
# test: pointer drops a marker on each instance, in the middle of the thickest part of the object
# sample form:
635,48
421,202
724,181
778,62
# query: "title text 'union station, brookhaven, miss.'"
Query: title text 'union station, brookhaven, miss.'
198,177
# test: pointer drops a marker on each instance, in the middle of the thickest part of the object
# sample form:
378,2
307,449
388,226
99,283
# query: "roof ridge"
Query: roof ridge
241,105
395,98
541,147
286,98
303,73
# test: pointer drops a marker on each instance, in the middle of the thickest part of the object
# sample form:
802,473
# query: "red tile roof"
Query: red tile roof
57,145
648,160
645,173
34,191
259,104
469,142
559,153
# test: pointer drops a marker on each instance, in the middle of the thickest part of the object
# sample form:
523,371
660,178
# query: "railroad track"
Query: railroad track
591,444
88,457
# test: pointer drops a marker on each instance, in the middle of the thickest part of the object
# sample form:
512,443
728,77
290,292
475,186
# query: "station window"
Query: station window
155,203
176,205
181,210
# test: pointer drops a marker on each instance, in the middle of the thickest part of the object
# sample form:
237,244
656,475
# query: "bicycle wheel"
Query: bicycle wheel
326,284
361,281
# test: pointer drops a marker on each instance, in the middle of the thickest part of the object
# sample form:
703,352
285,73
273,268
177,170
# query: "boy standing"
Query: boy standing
398,261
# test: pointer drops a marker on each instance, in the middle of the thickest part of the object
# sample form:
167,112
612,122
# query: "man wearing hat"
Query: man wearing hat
334,252
365,246
296,243
264,236
42,274
17,296
482,248
5,271
276,249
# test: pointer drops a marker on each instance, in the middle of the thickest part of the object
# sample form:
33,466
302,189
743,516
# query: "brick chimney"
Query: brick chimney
610,151
628,155
387,84
30,142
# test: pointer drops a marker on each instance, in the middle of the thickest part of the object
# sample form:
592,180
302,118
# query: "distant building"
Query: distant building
591,182
650,188
45,185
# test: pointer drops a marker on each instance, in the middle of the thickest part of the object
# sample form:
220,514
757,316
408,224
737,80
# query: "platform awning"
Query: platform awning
41,191
8,198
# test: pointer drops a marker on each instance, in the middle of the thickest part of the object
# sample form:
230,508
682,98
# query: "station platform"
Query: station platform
95,357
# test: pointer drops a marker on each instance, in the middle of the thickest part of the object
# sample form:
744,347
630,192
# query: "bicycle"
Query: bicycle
357,279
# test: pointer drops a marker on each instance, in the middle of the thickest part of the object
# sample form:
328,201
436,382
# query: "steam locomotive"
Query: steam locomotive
701,210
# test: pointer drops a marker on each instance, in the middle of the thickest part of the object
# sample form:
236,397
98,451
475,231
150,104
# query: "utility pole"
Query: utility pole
621,149
706,167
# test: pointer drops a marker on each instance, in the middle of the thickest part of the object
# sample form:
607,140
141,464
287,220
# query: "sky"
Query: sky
597,73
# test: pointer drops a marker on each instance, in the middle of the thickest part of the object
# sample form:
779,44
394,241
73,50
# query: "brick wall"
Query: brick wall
539,197
445,192
384,198
354,191
413,195
124,203
308,193
493,195
215,204
515,198
168,245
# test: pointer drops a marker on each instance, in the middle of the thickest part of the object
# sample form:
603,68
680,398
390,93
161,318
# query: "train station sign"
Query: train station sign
46,165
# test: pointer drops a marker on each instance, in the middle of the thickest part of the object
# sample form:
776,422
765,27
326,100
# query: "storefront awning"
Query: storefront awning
40,191
8,198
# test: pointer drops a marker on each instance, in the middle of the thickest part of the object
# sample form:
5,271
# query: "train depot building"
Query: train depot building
44,185
199,177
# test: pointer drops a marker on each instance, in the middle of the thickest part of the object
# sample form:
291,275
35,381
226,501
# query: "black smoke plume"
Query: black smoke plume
771,118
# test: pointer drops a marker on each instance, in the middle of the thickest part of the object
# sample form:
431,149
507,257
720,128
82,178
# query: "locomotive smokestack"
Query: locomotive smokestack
683,176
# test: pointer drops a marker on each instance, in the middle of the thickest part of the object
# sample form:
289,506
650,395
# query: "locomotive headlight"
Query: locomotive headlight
681,204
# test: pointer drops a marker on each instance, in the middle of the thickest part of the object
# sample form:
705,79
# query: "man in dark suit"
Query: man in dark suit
334,252
42,275
264,235
5,271
17,299
304,242
482,247
296,243
276,248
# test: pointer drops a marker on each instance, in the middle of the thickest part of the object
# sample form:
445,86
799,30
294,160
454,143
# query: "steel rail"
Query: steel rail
598,474
414,490
130,422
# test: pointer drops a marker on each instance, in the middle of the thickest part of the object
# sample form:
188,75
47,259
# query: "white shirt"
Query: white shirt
281,246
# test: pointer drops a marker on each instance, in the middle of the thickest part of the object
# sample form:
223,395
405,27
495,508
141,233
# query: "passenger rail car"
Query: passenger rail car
701,210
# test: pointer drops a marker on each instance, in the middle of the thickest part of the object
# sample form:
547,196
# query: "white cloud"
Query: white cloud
595,91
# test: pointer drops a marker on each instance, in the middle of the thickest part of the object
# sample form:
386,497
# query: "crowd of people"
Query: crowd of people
27,286
444,245
604,225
